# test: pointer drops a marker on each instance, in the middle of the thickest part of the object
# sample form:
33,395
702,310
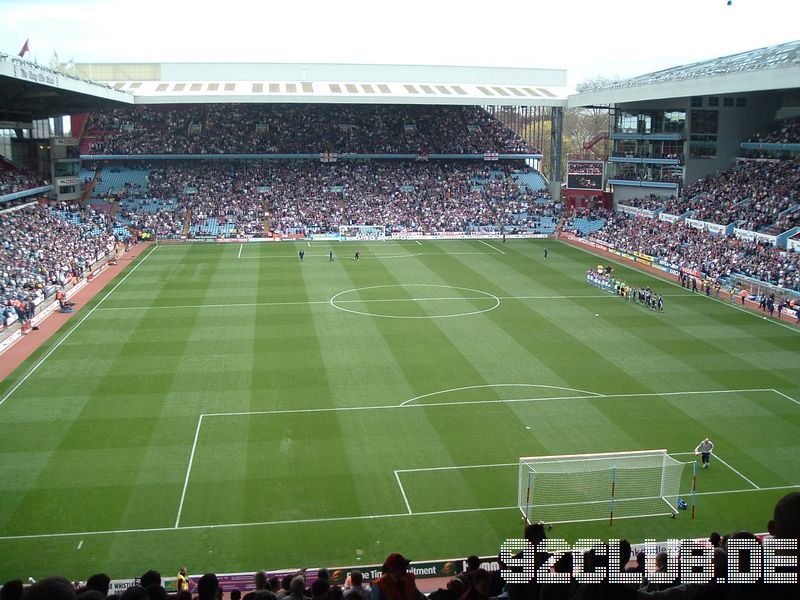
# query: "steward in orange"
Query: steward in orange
396,583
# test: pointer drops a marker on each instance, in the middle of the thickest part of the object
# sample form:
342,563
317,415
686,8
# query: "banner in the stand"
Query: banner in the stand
635,211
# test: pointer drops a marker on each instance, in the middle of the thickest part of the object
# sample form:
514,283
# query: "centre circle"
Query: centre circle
340,301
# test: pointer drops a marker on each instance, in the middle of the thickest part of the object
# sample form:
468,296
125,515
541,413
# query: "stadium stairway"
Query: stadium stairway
90,188
187,222
266,218
488,205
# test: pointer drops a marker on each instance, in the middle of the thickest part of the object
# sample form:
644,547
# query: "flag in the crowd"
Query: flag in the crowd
422,157
25,49
328,157
54,62
491,156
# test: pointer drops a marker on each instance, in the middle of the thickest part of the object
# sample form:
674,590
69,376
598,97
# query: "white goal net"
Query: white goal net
369,233
594,487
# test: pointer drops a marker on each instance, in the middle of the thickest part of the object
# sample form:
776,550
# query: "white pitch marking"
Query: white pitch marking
467,402
309,244
312,302
188,471
494,385
785,396
71,331
241,246
80,544
719,458
394,255
403,491
329,519
492,247
456,468
488,296
420,243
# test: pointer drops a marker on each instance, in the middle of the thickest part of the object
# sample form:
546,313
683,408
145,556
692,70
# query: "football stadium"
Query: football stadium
285,327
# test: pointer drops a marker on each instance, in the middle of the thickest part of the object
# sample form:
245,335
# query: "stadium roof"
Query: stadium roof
167,83
764,69
29,91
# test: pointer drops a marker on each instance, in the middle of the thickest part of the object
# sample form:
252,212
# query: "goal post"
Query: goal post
366,233
573,488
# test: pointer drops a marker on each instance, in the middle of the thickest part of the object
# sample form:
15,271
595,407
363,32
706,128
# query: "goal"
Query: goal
596,487
370,233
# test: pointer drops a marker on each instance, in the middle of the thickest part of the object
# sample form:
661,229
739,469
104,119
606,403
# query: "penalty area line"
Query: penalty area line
492,247
785,396
747,479
188,471
403,491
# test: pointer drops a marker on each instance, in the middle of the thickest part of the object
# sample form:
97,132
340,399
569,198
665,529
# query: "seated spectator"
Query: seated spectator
297,589
12,590
51,588
480,583
356,590
135,592
99,582
208,587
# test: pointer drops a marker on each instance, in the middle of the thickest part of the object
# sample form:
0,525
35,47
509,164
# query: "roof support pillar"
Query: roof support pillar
556,139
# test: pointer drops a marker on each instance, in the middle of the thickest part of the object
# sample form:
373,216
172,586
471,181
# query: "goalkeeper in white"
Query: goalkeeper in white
705,448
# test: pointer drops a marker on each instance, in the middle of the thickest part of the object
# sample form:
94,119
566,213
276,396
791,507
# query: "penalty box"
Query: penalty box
329,463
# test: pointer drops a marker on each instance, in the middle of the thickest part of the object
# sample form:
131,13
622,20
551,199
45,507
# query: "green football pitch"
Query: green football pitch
226,407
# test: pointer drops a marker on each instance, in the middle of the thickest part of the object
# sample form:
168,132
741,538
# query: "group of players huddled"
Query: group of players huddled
603,277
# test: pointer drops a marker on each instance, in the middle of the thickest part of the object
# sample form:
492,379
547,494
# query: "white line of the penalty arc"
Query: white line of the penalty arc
731,304
327,519
466,402
71,331
313,302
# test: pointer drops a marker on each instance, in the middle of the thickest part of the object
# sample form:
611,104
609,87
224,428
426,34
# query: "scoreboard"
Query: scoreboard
586,175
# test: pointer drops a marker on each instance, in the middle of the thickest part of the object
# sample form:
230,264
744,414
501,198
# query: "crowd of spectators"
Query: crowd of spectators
307,197
682,246
783,131
16,180
300,128
650,202
659,579
752,193
638,173
41,248
518,208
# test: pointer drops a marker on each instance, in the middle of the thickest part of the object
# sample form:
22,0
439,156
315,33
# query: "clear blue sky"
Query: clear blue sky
612,38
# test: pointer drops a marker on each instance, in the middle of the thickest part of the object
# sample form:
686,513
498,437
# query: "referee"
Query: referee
705,448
